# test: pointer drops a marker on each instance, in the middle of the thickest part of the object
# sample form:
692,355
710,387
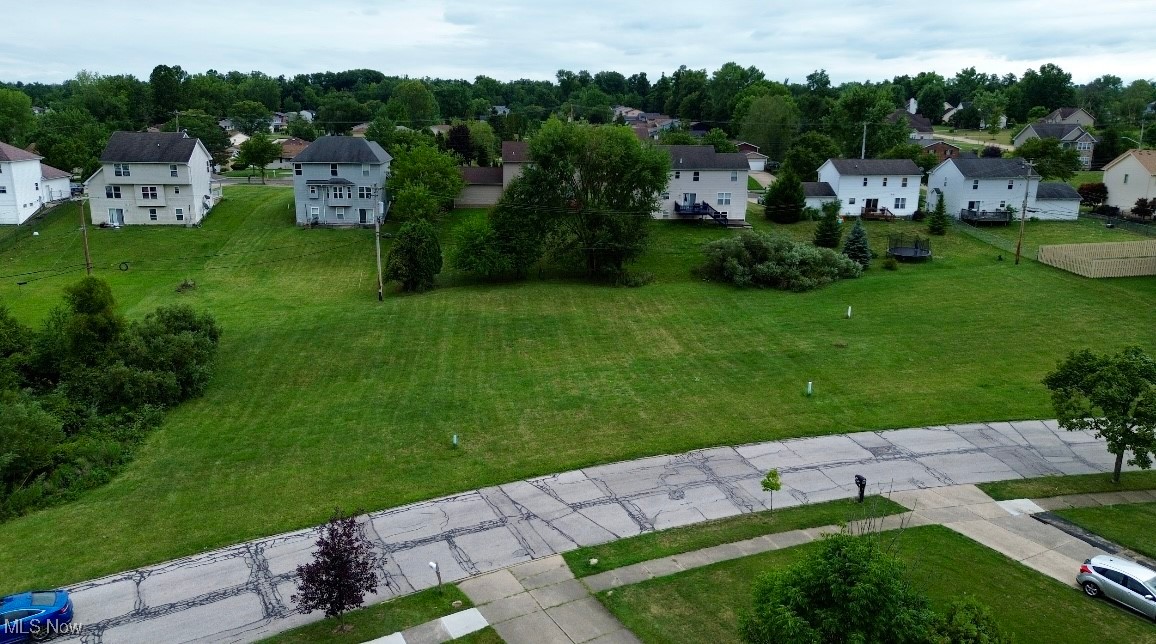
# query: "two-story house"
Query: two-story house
1129,177
704,183
1070,135
26,184
970,186
340,181
152,178
1071,116
941,149
867,187
919,126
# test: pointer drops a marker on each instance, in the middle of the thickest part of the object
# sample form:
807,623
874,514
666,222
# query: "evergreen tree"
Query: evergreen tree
937,222
785,200
857,247
829,232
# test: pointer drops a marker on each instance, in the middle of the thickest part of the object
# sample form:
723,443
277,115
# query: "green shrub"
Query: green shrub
891,264
416,256
766,260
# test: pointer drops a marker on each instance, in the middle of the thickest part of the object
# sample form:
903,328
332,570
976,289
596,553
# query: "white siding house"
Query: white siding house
152,178
867,186
979,184
26,184
704,183
817,193
1129,177
1055,200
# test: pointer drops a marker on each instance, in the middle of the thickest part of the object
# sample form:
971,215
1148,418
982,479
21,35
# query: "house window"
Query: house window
152,214
176,190
734,175
112,192
851,201
903,182
340,212
365,169
694,177
1125,178
312,192
364,192
724,199
36,186
677,174
864,181
973,205
901,203
333,169
1083,145
884,182
180,212
297,169
120,169
314,210
975,184
1011,183
172,170
1003,205
148,192
3,190
666,195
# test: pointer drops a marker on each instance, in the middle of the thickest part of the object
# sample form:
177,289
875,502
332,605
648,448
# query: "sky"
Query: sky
853,40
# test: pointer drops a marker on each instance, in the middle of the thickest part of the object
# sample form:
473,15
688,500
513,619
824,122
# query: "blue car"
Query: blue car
34,616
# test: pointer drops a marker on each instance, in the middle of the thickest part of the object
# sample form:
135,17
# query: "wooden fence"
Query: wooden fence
1110,259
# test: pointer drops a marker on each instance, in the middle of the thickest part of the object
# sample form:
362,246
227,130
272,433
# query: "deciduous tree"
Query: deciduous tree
259,151
1051,159
425,165
16,118
415,258
342,570
1113,395
250,117
771,123
807,152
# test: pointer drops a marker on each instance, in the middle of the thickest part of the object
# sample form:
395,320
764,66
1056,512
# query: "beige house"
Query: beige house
1069,136
152,178
1070,116
1129,177
483,187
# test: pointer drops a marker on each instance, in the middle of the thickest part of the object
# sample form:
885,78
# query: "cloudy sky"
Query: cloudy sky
510,39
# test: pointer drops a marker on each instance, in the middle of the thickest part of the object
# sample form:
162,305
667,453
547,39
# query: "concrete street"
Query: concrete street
241,593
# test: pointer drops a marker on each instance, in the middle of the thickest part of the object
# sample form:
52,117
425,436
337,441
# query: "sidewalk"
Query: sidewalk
241,593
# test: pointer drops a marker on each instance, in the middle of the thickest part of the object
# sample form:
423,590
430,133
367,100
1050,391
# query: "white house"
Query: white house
26,184
817,193
152,178
869,186
982,185
1055,200
704,183
1129,177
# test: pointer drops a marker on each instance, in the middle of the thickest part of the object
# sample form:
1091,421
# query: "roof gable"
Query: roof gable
1146,158
875,167
343,149
149,147
13,153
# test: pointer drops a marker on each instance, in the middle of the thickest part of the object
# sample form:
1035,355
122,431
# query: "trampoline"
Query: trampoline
909,248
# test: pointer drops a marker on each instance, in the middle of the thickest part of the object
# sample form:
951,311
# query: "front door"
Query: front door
871,205
363,215
116,216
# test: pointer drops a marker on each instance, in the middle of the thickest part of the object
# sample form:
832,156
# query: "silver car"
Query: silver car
1121,580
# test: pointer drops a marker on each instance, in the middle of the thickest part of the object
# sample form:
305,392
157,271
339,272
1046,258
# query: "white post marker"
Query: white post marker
810,390
455,440
848,312
434,565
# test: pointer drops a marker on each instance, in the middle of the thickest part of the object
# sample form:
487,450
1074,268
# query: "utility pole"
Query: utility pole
1024,210
377,240
84,232
863,149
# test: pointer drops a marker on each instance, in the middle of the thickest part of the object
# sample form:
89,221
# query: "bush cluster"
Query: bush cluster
766,260
77,395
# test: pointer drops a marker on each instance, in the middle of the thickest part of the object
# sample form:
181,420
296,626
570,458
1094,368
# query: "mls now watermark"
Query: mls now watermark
40,630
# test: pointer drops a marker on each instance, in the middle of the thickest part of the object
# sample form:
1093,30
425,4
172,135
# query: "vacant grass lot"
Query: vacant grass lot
1080,231
705,605
1132,525
325,397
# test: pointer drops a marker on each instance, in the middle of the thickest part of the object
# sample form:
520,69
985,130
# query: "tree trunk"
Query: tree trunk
1119,466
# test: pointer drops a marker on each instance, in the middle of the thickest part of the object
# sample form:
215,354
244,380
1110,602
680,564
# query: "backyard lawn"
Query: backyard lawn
1003,136
705,605
1132,525
325,397
1040,233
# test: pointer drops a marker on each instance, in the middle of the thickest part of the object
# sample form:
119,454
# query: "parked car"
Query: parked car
1121,580
34,616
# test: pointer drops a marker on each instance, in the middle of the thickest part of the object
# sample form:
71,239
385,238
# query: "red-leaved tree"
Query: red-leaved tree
341,572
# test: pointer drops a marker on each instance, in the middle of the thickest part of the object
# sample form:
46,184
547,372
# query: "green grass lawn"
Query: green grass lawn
1086,176
653,545
1132,525
1003,136
704,605
270,173
1046,486
325,397
1040,233
754,185
381,619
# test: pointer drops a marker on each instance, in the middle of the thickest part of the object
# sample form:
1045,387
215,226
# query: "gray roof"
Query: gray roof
930,142
977,168
515,152
148,147
343,149
818,189
48,172
703,157
1061,131
873,167
1057,190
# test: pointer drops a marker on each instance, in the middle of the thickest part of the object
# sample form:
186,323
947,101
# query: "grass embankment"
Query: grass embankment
653,545
325,397
1045,486
381,619
1132,525
704,605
